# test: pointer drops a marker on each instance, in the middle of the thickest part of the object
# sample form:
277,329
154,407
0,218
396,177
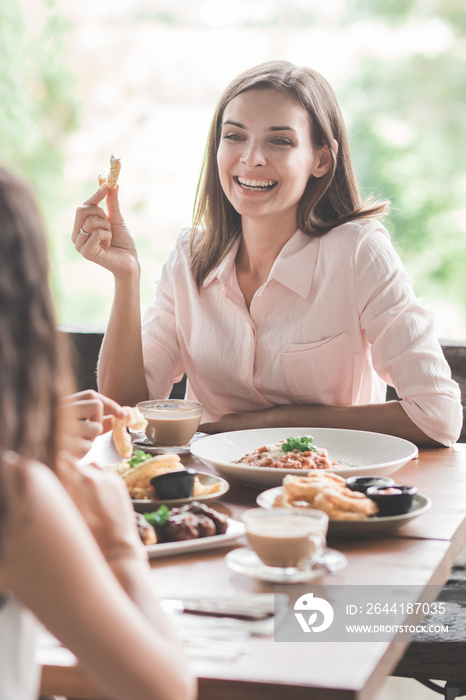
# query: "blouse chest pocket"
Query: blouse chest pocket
320,372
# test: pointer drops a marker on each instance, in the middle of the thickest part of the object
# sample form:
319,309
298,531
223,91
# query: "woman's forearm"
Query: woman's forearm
134,577
121,368
388,418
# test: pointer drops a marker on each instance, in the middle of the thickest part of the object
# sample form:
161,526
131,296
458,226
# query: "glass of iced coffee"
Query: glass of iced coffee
170,422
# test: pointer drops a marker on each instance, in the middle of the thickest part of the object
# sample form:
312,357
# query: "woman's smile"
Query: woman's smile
255,185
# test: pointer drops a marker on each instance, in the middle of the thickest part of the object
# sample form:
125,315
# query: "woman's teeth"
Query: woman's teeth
256,185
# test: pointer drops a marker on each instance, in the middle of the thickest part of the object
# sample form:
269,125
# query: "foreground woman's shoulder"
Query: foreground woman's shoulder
25,482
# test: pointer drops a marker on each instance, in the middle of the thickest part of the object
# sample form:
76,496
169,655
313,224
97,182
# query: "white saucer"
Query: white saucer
141,442
244,561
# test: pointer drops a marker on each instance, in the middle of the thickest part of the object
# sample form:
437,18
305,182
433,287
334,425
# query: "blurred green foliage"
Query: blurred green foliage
407,130
38,109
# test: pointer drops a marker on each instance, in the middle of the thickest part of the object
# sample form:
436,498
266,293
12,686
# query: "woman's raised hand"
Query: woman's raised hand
104,238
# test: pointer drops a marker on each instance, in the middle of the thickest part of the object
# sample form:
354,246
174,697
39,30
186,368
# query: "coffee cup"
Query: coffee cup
170,422
284,537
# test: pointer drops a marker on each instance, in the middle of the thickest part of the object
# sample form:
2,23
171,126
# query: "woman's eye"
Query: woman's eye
281,142
233,137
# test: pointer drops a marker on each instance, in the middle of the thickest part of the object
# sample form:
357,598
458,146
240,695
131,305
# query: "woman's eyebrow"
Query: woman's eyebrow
271,128
281,128
228,121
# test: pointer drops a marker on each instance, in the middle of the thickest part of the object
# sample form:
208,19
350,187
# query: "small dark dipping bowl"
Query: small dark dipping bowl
362,483
173,485
394,503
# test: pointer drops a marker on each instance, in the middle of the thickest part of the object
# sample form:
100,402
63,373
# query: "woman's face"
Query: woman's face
266,156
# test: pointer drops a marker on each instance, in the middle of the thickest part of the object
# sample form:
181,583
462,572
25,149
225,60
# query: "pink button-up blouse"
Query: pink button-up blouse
336,320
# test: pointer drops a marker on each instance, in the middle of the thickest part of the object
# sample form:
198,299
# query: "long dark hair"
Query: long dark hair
31,364
327,201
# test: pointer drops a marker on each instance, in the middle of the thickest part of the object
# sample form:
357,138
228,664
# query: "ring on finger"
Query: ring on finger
85,233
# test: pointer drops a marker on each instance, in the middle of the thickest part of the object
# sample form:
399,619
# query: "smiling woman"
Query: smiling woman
285,303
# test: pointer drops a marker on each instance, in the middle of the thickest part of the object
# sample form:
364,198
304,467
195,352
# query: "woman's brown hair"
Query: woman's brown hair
327,202
31,365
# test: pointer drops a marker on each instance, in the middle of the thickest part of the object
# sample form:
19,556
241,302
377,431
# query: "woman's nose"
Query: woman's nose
253,155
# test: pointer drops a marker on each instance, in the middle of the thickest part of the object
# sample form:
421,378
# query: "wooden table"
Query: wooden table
419,553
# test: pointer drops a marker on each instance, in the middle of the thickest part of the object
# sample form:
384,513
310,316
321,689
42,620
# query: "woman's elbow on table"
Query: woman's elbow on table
439,417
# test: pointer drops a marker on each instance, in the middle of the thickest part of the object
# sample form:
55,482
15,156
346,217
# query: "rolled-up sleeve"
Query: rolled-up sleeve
405,350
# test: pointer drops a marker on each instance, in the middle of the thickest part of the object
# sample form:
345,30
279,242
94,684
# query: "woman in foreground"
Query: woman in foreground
285,304
69,550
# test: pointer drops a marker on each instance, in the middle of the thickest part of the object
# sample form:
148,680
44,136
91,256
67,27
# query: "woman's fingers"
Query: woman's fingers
88,410
87,209
92,404
98,196
113,207
87,219
91,245
101,238
87,414
90,218
110,406
93,222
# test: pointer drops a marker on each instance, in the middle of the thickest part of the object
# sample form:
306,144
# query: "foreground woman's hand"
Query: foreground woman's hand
103,501
85,415
104,238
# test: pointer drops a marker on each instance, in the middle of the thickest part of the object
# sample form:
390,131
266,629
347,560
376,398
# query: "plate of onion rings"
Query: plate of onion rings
367,527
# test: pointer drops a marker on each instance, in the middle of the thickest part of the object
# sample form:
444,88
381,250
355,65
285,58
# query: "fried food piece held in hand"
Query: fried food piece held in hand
113,174
121,438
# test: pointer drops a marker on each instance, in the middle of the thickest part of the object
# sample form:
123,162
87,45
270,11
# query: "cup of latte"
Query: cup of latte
284,537
170,422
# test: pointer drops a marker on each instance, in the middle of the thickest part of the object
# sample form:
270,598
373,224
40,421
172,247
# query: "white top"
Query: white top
336,320
19,672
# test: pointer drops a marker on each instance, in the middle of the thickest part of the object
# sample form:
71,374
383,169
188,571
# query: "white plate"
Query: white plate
244,561
145,505
366,528
367,453
164,549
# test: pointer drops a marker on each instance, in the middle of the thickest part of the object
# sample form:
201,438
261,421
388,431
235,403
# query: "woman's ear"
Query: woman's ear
323,160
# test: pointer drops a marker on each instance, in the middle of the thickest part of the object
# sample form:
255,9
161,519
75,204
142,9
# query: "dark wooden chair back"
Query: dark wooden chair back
85,343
